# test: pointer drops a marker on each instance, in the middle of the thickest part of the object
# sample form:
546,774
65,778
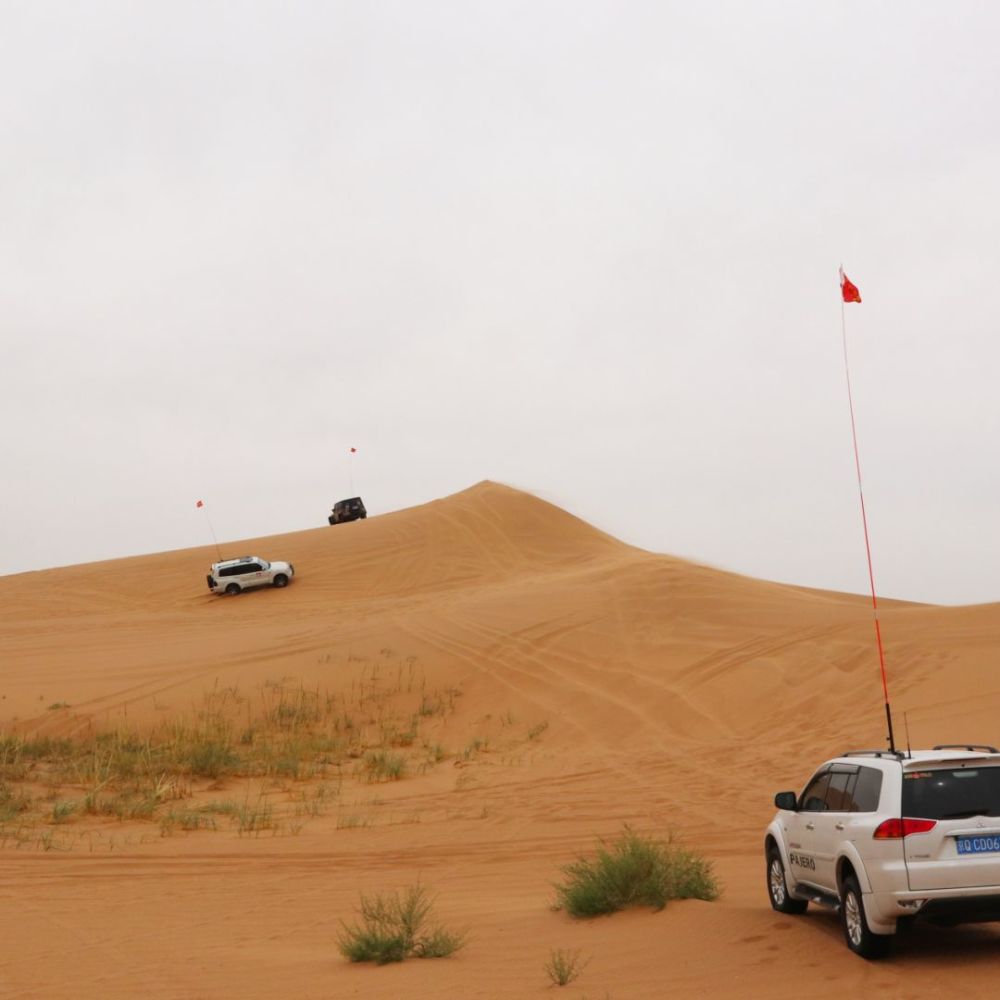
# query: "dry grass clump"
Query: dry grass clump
381,765
634,871
564,966
394,927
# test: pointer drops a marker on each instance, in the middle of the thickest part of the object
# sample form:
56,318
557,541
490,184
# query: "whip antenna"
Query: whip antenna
200,505
850,293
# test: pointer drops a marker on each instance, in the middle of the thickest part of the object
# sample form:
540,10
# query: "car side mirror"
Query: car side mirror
785,800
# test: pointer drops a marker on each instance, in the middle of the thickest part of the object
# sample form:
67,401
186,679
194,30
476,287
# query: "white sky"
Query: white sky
586,248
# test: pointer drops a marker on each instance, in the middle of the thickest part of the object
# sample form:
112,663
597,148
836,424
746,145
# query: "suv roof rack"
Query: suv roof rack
876,753
972,747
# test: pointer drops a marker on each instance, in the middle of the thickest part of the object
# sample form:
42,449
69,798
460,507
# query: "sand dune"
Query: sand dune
589,684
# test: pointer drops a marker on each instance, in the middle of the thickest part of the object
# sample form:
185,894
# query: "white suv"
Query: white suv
234,575
884,836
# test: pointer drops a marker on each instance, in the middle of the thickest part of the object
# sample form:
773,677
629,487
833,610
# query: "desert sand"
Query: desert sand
571,683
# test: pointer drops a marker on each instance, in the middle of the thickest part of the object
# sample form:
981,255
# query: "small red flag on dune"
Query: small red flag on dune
200,503
848,289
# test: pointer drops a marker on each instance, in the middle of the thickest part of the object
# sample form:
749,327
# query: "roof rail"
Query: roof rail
972,747
874,753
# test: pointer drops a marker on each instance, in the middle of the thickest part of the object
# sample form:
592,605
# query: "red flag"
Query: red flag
200,503
353,450
848,289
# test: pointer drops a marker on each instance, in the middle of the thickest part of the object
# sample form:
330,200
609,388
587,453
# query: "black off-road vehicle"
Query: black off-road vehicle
348,510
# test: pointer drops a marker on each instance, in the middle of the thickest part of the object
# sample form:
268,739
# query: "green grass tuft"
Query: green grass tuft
63,810
564,966
381,765
393,928
634,871
209,758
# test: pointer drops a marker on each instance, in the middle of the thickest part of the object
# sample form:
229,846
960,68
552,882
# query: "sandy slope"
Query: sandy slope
604,684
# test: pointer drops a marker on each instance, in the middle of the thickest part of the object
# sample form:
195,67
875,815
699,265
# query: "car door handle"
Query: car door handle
838,826
810,826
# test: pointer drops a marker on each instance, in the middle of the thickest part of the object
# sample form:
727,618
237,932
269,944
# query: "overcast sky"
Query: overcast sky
585,248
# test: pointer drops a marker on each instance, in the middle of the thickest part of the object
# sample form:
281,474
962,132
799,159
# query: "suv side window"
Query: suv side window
867,790
250,568
814,797
840,794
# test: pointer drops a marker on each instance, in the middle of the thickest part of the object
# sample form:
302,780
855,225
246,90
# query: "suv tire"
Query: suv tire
233,589
860,939
777,885
281,580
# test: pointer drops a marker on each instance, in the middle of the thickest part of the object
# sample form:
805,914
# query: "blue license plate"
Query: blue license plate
978,845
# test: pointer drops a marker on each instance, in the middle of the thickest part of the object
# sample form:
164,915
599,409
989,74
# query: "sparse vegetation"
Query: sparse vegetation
253,818
186,820
62,810
281,752
537,731
475,747
11,804
280,735
380,765
394,927
564,966
634,871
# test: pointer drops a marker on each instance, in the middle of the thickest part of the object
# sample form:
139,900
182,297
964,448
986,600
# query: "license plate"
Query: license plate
978,845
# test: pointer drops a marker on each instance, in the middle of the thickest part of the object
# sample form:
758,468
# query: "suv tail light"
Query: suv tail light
896,829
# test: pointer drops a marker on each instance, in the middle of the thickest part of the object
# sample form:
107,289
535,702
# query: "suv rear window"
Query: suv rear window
952,794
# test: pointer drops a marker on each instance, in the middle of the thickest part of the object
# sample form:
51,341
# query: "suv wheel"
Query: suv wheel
281,580
233,589
777,886
859,936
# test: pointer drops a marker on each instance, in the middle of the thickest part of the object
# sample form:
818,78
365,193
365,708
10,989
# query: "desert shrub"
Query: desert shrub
185,819
438,943
62,810
12,802
380,765
255,817
13,748
564,966
393,927
209,758
634,871
296,709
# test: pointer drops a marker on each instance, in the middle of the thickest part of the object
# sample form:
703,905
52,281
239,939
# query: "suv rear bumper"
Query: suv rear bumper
979,909
942,906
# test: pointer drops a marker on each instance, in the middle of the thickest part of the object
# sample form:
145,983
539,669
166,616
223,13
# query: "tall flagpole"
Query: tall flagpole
847,288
